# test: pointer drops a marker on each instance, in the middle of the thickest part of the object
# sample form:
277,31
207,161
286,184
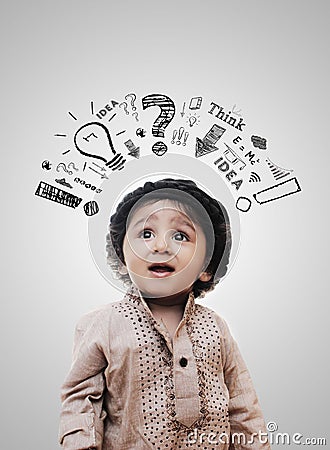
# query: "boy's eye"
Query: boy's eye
146,234
179,236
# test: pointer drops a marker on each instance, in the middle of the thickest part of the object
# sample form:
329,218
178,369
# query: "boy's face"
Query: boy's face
164,250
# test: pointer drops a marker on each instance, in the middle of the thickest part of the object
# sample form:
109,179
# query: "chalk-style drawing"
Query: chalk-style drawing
88,185
63,166
102,168
116,163
206,145
67,151
113,115
92,108
94,147
259,142
237,139
277,172
192,120
57,195
91,208
243,204
178,134
120,132
132,149
175,132
114,103
125,106
159,148
236,111
91,135
46,165
72,166
233,157
254,178
135,115
277,191
63,182
133,98
183,109
141,132
167,112
185,137
73,117
103,175
60,135
195,103
85,164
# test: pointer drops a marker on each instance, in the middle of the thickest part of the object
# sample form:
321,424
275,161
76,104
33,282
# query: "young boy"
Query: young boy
157,370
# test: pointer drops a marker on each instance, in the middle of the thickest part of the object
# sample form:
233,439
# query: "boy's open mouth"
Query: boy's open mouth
161,269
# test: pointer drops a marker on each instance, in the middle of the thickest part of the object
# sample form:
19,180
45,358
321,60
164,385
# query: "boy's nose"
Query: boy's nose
161,244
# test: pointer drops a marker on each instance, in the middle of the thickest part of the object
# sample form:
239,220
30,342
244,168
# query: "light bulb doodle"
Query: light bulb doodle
192,120
93,140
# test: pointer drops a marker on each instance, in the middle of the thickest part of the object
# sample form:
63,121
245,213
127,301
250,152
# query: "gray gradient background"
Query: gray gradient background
269,57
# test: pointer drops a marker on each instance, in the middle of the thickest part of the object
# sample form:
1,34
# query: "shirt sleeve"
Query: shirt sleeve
82,414
247,426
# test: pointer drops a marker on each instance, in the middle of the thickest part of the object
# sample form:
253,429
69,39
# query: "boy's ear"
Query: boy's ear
205,276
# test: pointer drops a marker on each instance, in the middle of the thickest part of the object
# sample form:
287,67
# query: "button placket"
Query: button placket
185,380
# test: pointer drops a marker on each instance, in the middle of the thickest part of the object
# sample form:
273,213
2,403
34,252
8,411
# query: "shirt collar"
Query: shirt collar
133,295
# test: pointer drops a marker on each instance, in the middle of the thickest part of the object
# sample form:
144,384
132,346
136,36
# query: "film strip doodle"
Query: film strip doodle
57,195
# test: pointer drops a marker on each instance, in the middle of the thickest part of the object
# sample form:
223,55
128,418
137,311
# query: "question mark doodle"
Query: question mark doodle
72,166
63,166
135,114
125,107
132,101
167,112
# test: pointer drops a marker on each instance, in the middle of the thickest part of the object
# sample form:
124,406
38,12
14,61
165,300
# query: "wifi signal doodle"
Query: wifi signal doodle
278,172
254,178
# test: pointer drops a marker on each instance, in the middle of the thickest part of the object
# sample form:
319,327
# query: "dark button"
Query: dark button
183,362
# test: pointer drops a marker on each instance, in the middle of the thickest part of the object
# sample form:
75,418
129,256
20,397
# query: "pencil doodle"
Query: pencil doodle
278,191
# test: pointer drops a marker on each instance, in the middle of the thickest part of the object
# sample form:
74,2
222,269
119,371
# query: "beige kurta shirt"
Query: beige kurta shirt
130,387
